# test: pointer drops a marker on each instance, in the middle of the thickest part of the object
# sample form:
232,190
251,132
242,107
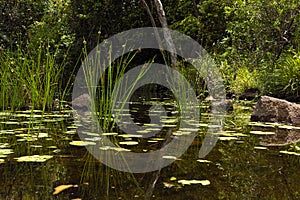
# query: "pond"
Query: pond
42,157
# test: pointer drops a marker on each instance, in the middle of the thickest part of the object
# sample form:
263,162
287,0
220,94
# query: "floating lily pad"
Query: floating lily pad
129,142
204,161
152,141
178,133
262,132
189,129
170,125
2,161
144,131
189,182
7,132
5,152
169,121
34,158
42,135
260,148
36,146
228,138
130,136
71,132
290,153
108,134
170,157
81,143
118,149
11,123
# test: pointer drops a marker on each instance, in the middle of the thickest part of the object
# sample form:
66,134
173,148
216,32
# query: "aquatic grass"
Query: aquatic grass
30,78
103,103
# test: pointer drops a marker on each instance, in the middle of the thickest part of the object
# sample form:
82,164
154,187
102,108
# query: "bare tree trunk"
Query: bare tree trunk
145,5
170,46
163,21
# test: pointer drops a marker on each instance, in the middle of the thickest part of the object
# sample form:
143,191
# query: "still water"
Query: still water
42,157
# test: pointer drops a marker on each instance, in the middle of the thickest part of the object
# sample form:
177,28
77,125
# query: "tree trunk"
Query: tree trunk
163,21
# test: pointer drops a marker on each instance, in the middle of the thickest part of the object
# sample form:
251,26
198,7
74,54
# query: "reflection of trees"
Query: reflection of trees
254,173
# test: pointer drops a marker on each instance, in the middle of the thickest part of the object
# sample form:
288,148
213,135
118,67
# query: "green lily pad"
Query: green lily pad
34,158
130,136
228,138
170,157
203,161
260,148
118,149
262,132
152,141
290,153
108,134
5,152
189,182
129,142
81,143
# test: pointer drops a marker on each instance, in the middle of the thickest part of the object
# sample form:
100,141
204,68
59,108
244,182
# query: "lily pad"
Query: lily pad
189,182
290,153
170,157
260,148
81,143
129,142
118,149
130,136
5,152
203,161
262,132
34,158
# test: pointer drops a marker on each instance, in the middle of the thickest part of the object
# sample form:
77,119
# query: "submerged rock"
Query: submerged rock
82,102
281,136
269,109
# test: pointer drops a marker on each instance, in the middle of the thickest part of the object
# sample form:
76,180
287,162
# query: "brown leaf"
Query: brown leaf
61,188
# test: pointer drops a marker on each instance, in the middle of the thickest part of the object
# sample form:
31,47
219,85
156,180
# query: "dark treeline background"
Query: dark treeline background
255,43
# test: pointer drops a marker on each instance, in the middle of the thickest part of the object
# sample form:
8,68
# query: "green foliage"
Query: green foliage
29,79
245,79
261,30
284,79
204,22
53,27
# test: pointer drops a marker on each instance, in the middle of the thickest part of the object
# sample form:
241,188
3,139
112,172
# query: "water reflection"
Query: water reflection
236,168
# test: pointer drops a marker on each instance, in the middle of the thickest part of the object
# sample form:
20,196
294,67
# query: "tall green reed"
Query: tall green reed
30,78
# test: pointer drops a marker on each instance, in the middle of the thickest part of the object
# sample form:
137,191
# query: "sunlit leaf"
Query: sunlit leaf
61,188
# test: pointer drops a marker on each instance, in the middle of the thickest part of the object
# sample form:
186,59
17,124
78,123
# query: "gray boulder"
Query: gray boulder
269,109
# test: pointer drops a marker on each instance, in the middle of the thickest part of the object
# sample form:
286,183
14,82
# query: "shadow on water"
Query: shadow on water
241,166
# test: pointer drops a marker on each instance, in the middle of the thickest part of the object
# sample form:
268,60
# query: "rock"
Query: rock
269,109
82,101
225,105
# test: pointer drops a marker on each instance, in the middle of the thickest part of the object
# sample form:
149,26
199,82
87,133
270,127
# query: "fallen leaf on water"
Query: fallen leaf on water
61,188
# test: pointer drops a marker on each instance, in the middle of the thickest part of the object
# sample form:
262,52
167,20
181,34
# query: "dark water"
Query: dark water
237,167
